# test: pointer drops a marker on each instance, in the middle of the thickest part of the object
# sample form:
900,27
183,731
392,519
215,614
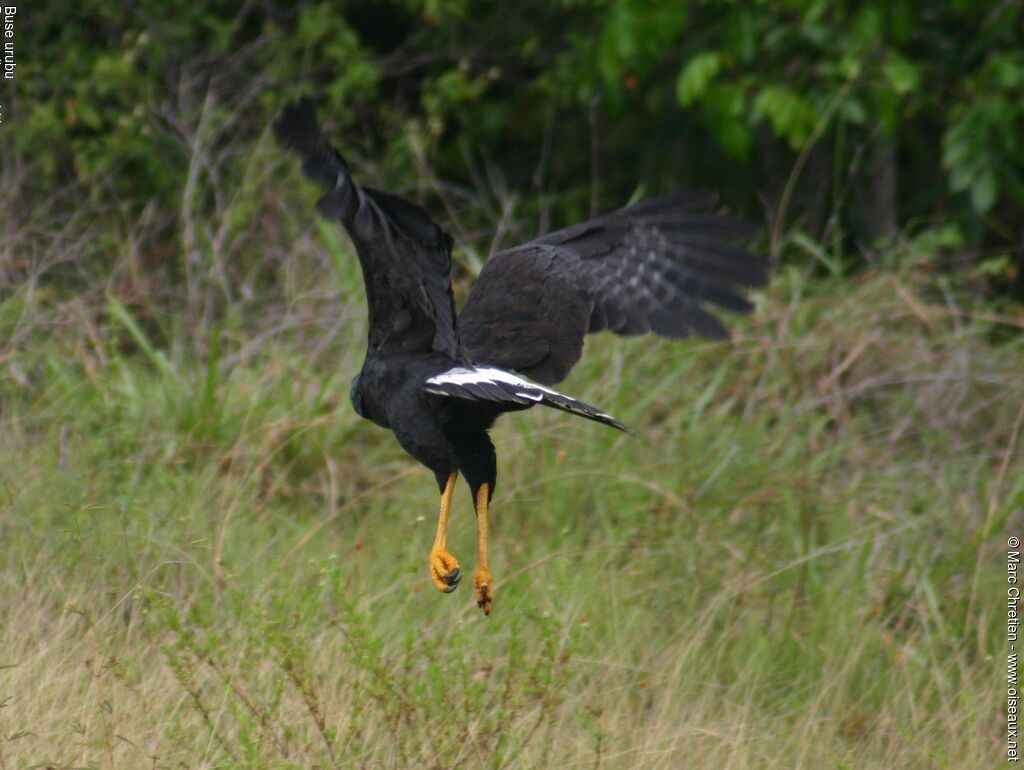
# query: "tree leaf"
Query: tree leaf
901,74
696,76
984,191
790,116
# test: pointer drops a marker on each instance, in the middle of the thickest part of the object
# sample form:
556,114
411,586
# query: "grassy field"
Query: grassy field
210,562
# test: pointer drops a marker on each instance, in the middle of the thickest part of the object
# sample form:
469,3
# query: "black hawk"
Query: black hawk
438,379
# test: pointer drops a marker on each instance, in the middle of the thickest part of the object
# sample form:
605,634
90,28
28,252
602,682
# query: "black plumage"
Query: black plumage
439,380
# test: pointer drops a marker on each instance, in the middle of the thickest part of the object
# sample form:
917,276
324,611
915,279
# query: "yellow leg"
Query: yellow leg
483,583
444,568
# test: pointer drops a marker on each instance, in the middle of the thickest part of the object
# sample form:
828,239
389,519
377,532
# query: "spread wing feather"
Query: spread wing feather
404,255
651,267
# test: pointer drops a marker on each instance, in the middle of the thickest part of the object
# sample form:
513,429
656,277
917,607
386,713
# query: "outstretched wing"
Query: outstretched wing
649,267
405,256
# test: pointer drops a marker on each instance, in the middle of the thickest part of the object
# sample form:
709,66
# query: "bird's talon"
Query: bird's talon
444,571
451,580
482,590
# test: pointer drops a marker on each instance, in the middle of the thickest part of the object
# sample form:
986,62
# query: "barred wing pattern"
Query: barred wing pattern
650,267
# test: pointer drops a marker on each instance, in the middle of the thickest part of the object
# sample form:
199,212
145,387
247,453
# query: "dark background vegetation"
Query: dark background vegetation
846,125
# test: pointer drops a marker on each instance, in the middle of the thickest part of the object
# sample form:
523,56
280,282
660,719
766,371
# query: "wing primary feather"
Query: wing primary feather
298,129
662,265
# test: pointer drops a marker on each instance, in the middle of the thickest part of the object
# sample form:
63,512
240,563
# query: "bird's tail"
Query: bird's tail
573,406
488,383
298,129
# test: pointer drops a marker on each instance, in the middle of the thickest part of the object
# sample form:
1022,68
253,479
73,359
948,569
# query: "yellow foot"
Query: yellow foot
483,589
444,570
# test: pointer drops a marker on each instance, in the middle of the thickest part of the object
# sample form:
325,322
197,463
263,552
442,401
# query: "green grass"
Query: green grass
211,562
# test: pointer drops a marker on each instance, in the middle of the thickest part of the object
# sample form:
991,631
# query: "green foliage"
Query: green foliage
790,116
696,76
138,107
982,146
786,63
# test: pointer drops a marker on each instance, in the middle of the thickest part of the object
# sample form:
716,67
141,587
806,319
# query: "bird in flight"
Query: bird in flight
439,379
